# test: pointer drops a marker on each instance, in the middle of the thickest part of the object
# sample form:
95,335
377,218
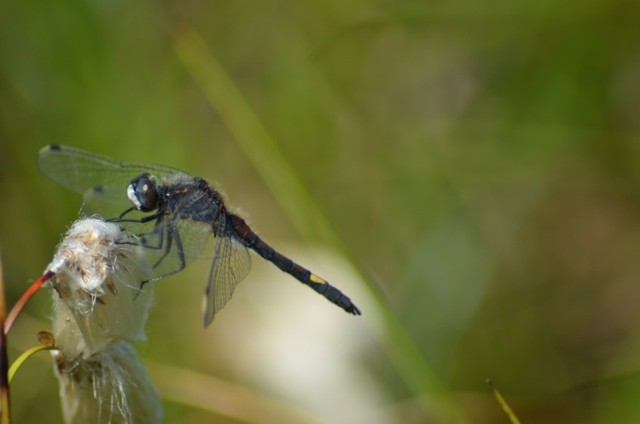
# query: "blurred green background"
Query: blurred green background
467,172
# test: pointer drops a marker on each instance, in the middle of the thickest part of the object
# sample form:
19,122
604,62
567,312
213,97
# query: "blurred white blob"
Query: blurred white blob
288,340
99,311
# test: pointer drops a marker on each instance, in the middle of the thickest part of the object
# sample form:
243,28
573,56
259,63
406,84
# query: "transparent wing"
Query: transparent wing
230,265
174,245
98,178
170,245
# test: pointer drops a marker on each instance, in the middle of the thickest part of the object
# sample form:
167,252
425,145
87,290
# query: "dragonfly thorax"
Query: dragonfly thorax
143,192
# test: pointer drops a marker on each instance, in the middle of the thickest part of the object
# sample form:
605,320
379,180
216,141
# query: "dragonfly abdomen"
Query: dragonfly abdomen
320,285
252,241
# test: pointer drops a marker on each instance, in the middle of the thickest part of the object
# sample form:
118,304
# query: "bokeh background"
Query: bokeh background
466,171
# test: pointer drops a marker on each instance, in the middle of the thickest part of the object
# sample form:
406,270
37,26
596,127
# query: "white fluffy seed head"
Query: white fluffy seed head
100,309
111,387
87,254
97,287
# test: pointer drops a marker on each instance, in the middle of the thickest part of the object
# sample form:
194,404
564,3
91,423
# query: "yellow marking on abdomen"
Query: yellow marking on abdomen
315,279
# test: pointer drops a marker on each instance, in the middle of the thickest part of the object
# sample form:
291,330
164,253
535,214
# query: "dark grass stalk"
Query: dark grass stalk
5,400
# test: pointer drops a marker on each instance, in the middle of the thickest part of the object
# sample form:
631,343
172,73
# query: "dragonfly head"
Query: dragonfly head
143,192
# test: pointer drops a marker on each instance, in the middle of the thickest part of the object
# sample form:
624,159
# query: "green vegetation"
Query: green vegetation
466,172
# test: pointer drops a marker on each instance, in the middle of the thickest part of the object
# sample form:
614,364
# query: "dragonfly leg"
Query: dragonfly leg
144,237
126,212
161,244
179,249
142,220
172,236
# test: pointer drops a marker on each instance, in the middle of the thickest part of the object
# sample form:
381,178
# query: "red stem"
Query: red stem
22,302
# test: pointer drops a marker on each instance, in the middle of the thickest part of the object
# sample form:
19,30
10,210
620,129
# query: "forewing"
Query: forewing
98,178
230,265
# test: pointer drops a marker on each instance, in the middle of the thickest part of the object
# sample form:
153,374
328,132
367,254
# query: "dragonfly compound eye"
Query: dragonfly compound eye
142,192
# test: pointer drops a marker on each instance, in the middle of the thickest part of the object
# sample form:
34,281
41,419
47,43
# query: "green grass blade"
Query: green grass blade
303,212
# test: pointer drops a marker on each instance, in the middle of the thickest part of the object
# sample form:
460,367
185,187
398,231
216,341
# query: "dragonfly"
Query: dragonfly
177,218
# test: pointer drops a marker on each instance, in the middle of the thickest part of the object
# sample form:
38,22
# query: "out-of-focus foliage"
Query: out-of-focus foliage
476,160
